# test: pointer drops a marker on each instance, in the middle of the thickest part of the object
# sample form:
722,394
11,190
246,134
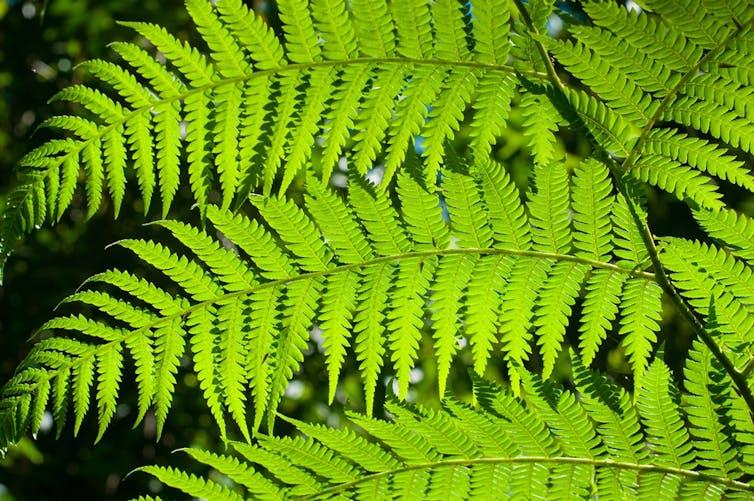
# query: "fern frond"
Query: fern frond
237,472
650,74
549,209
705,272
554,307
610,83
731,228
367,274
592,202
555,445
629,247
506,215
269,106
706,411
599,311
191,484
641,312
693,20
616,135
699,154
727,126
540,127
658,405
252,108
647,34
516,314
673,177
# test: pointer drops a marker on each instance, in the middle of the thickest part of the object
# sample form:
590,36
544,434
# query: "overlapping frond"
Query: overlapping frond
369,79
706,273
249,110
548,444
452,257
652,79
370,275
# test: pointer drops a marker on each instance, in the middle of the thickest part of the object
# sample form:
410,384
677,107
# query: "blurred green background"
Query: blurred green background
40,45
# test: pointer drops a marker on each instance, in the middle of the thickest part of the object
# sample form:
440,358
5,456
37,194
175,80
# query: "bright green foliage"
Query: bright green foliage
337,77
562,442
248,316
442,250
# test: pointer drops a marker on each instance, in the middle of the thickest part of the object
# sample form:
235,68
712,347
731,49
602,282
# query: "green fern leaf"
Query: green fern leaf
297,231
647,34
620,92
168,349
109,365
252,34
314,456
410,447
492,107
641,310
406,319
379,219
446,116
516,314
204,343
368,455
592,202
540,127
549,209
288,350
731,228
239,473
336,320
466,214
369,326
335,26
230,364
727,126
554,309
82,377
300,146
191,484
671,176
510,228
698,154
368,274
629,247
693,20
422,215
600,309
347,99
413,25
339,226
657,402
411,114
715,451
491,27
484,302
616,135
376,115
703,272
374,27
650,74
300,38
283,470
453,276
